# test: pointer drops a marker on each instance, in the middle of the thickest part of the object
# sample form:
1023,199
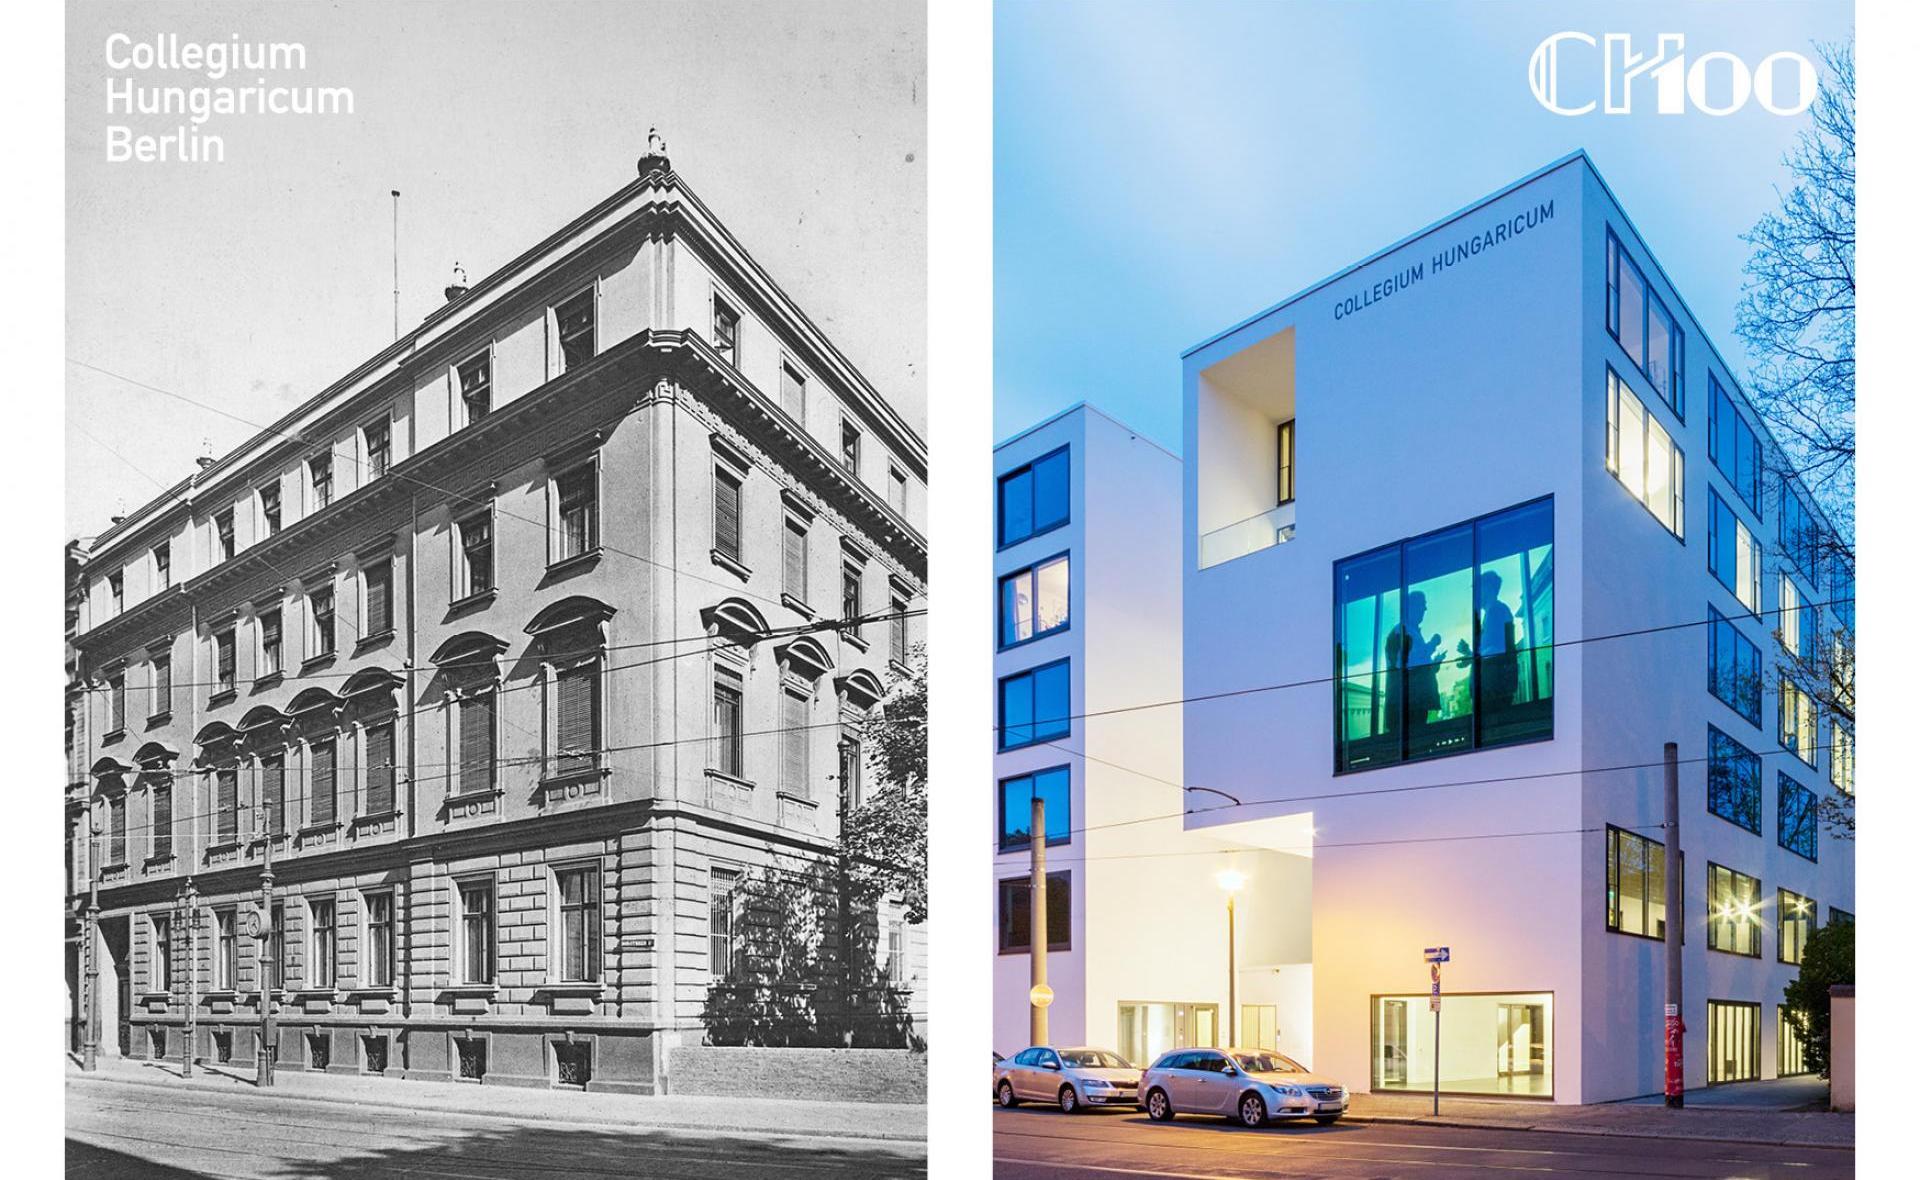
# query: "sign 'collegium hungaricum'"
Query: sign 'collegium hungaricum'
1452,252
187,141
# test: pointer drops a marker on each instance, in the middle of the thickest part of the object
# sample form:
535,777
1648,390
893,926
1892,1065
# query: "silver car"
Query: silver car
1071,1078
1251,1085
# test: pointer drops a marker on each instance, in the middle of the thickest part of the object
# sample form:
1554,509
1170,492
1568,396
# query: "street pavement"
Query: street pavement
122,1131
1036,1144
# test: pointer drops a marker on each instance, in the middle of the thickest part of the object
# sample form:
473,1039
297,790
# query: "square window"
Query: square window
1033,498
1052,786
1034,705
1016,913
1034,601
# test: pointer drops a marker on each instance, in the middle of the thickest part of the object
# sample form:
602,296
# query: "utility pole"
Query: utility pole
90,1046
1676,1028
846,914
190,900
396,264
1233,1032
1040,995
263,1063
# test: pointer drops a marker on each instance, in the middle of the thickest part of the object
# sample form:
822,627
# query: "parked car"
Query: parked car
1073,1078
1251,1085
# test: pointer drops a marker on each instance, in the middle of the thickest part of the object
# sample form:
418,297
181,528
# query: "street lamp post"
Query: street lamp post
263,1064
1039,995
190,918
90,1046
1231,880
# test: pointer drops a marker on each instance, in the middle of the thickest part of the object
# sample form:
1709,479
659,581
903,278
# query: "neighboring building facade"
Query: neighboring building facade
1540,533
1087,587
531,643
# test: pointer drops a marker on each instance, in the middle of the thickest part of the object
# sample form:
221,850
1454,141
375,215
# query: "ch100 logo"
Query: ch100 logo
1717,83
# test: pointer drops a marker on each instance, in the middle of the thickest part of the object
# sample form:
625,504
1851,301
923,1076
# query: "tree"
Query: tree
1826,960
885,838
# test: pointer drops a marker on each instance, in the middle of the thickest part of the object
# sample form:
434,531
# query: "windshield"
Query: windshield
1268,1063
1092,1059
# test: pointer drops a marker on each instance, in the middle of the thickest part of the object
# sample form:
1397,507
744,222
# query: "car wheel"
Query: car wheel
1158,1108
1253,1111
1006,1096
1069,1100
1326,1120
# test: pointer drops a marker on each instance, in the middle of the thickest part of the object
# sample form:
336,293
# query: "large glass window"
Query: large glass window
1799,810
1799,623
1034,705
1641,455
1733,667
1033,499
1797,918
1732,444
1840,758
1732,553
1444,643
1016,807
1016,912
1495,1043
1733,781
1636,884
1733,911
1033,601
1793,1045
1645,329
1799,534
1799,724
1733,1041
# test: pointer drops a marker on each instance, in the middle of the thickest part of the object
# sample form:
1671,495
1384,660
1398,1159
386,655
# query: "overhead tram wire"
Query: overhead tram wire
1641,830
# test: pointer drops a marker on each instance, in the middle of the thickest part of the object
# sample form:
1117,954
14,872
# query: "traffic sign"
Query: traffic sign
1439,954
1040,996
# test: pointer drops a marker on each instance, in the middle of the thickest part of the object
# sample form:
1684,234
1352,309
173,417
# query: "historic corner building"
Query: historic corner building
522,652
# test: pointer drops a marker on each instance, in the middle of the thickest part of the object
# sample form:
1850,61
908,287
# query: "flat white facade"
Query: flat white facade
1461,373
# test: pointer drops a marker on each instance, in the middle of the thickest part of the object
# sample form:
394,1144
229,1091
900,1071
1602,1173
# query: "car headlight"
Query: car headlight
1289,1091
1098,1084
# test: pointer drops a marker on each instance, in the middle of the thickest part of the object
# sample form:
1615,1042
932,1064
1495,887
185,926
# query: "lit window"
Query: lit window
476,385
1796,920
1641,455
1799,723
1733,912
1733,781
574,318
1033,498
1283,444
1840,759
1732,554
1799,810
1033,601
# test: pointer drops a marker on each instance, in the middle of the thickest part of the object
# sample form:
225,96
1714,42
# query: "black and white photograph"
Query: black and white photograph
495,589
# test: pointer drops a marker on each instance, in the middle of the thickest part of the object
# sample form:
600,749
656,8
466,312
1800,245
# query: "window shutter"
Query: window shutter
227,803
162,817
726,515
793,745
324,756
795,561
577,739
476,743
273,793
223,644
380,769
379,595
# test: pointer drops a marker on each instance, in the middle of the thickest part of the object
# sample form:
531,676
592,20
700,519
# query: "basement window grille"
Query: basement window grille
573,1063
376,1051
319,1051
473,1058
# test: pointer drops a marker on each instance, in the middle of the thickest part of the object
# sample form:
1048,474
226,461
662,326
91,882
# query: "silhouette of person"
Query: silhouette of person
1410,658
1499,659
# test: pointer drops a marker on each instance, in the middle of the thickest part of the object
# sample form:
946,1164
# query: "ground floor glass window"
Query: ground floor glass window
1147,1029
1490,1043
1793,1047
1733,1041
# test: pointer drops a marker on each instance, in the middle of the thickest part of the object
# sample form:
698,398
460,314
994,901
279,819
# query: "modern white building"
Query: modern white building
1488,520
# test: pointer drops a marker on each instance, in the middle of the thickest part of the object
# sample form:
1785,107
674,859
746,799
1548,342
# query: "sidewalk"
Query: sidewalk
1719,1121
763,1117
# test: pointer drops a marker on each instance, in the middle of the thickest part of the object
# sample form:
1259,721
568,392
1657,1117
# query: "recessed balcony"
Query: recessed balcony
1245,451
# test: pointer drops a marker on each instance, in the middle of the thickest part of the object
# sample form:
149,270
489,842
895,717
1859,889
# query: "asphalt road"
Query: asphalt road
147,1133
1115,1144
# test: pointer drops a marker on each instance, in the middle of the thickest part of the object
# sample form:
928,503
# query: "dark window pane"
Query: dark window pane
1367,606
1016,912
1050,494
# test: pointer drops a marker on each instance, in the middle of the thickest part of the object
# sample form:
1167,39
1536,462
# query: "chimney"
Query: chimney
656,158
458,286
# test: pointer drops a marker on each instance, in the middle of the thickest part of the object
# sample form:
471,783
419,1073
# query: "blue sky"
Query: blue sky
1163,170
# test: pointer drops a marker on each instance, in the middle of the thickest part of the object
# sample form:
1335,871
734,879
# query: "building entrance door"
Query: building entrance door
116,980
1521,1048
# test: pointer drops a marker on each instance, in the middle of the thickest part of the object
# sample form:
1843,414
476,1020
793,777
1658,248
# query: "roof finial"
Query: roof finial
656,158
458,286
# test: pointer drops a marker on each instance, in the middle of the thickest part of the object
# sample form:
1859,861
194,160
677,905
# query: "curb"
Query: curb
521,1120
1611,1132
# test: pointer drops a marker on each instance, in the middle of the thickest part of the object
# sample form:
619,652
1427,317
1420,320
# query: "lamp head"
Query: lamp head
1230,880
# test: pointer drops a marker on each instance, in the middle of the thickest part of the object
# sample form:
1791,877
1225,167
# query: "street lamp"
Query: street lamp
1231,880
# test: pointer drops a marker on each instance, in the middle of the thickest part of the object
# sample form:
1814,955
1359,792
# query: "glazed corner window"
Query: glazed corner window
320,608
1733,781
223,534
379,439
574,322
1799,810
1283,449
729,753
578,891
320,476
271,647
1641,455
726,513
270,508
475,376
850,447
1799,724
1732,554
1016,912
726,332
723,908
1444,643
377,584
1638,319
1732,444
576,497
1033,499
1733,912
379,957
1016,807
1733,667
793,392
162,565
1636,884
223,660
475,566
1797,916
1033,601
476,931
325,946
1034,705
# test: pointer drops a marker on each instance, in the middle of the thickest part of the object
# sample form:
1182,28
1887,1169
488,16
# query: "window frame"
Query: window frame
379,459
1802,745
162,558
273,654
1747,758
722,308
1717,625
379,938
725,944
320,487
1614,836
226,542
272,508
323,943
1286,438
1005,841
375,571
1715,502
590,296
464,586
729,754
1032,571
850,445
1617,387
1740,431
557,498
1812,920
482,359
323,639
1674,397
1037,527
593,923
1809,816
796,405
1033,724
1734,877
727,475
1058,880
226,949
463,935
